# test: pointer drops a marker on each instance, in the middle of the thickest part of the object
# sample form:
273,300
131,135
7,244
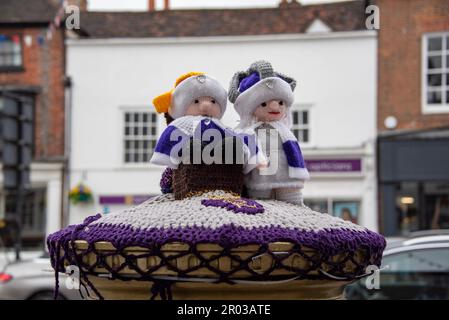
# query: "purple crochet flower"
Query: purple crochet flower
166,182
236,204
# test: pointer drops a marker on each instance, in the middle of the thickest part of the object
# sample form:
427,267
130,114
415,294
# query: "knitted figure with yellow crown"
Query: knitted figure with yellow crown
194,94
194,109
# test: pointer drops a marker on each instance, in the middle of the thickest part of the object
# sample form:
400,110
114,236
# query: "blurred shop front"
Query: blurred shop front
113,203
30,188
106,203
343,184
414,181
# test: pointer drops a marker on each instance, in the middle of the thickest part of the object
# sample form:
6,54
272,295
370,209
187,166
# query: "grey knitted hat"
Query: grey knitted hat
260,83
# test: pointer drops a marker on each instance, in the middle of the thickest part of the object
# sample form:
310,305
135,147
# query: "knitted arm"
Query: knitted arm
168,147
296,164
254,155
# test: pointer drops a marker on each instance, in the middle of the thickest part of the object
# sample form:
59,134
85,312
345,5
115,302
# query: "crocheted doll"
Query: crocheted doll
197,100
262,98
196,105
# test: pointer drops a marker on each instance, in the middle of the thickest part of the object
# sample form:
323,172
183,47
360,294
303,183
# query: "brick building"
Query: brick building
413,115
32,65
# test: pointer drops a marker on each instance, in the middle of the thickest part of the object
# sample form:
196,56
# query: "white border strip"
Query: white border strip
221,39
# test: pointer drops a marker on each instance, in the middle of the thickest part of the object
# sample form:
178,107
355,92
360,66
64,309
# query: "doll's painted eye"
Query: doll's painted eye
281,103
197,101
264,104
213,101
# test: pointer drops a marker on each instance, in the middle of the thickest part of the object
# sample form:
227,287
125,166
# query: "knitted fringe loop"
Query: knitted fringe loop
161,288
97,262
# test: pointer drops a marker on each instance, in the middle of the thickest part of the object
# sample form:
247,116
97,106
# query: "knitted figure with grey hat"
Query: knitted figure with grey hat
262,98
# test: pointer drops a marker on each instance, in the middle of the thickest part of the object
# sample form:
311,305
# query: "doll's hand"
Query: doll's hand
262,165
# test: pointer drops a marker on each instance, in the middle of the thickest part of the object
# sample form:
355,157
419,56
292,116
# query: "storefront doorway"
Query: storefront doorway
414,181
422,206
33,216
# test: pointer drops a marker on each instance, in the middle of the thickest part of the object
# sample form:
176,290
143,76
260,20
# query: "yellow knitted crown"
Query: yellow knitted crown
162,102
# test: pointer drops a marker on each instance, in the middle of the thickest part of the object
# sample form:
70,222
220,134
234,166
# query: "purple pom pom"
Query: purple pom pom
249,81
167,181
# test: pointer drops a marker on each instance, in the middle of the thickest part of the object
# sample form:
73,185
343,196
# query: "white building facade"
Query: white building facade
113,124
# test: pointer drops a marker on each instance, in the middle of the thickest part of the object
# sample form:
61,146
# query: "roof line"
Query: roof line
19,24
408,132
287,7
217,39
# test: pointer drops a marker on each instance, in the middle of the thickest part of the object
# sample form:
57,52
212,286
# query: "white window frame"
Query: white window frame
300,108
149,136
444,106
2,204
16,51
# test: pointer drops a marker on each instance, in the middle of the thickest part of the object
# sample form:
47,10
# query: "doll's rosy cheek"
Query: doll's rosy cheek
260,113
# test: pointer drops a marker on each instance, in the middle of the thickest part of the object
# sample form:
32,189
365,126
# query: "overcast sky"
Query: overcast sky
112,5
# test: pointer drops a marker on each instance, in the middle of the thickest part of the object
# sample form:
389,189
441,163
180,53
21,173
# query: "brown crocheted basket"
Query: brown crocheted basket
227,175
190,178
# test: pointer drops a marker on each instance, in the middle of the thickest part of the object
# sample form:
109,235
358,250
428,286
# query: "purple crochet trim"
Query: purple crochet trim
238,205
166,182
67,237
327,242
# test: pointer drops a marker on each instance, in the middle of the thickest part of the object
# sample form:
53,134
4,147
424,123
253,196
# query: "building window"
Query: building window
140,132
16,137
348,210
319,205
301,125
436,72
32,215
10,51
33,219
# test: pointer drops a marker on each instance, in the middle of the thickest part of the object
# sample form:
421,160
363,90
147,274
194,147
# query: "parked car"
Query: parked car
416,267
33,279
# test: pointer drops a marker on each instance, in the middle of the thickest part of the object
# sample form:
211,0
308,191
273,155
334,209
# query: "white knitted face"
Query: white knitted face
204,106
273,110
